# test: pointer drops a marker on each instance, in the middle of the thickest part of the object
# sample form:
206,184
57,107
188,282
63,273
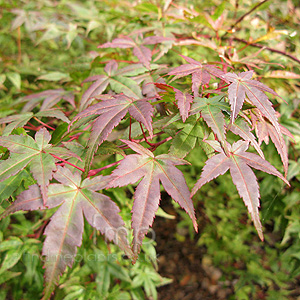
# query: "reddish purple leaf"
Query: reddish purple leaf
110,112
50,97
264,130
239,162
125,42
199,78
184,101
200,73
147,195
64,232
143,53
111,67
117,81
241,128
151,40
241,85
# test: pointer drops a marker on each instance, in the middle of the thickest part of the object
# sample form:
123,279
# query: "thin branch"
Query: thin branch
46,125
154,146
67,162
251,44
222,87
130,139
31,127
239,20
96,171
146,140
124,146
268,48
19,45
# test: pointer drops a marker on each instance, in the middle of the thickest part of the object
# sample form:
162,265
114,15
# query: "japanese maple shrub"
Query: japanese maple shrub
142,101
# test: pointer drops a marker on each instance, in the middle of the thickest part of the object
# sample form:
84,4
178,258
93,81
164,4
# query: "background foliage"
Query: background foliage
53,44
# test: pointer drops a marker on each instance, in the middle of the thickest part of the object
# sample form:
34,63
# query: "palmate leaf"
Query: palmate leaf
15,121
110,112
184,101
239,162
149,79
116,79
211,112
49,97
143,53
241,128
10,185
64,232
186,139
153,169
242,85
200,73
19,120
24,150
264,130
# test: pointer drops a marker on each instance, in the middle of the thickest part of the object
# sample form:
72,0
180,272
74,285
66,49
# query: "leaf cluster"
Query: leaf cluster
142,114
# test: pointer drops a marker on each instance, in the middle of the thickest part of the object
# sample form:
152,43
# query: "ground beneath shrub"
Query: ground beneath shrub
194,278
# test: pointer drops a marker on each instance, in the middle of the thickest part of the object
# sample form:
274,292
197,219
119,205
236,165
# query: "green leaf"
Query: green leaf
107,148
51,33
219,10
58,133
147,7
15,79
161,213
211,112
91,26
118,271
55,76
186,139
75,295
25,150
13,243
103,280
2,79
53,113
11,258
125,85
8,275
10,185
72,34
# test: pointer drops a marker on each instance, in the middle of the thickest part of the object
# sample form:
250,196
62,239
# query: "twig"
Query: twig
146,140
96,171
252,44
219,88
268,48
124,146
67,162
130,139
46,125
239,20
154,146
30,128
19,45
